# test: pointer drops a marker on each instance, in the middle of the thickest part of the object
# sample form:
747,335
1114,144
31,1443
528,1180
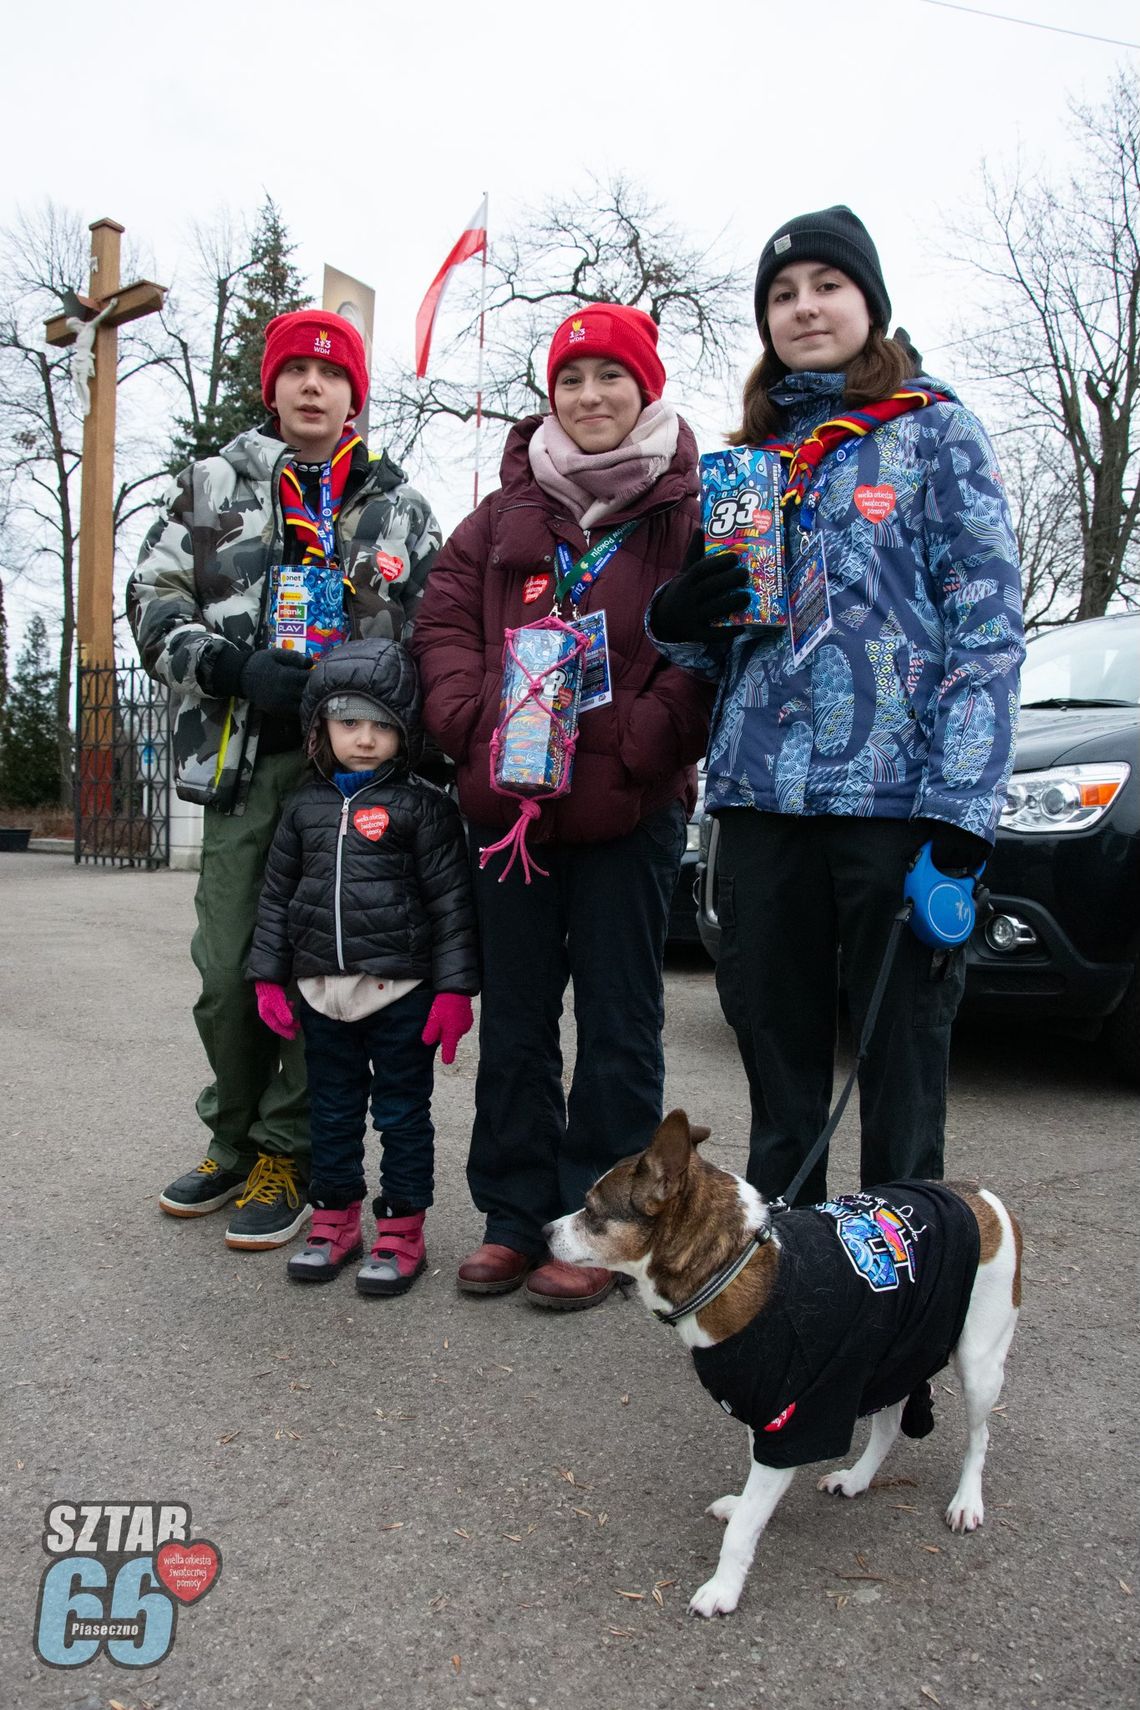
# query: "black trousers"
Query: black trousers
598,920
378,1063
796,894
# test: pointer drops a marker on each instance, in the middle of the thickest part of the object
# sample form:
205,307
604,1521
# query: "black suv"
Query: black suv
1062,943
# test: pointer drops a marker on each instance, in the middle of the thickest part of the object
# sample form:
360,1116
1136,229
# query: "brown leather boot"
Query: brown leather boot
568,1288
492,1269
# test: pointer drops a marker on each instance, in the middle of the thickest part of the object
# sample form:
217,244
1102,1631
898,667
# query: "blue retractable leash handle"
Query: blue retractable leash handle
940,910
944,906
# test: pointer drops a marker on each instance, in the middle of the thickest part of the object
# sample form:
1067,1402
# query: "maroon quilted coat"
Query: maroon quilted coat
636,754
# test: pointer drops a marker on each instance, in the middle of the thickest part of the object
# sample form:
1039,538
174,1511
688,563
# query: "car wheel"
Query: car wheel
1122,1031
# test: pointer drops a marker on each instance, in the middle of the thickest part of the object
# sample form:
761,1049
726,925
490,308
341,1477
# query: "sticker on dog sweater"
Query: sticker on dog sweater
781,1419
371,822
878,1238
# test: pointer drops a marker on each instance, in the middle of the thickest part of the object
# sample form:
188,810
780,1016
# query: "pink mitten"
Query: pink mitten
275,1010
449,1018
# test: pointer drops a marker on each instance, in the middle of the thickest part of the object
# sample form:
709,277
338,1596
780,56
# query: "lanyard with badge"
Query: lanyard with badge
575,578
307,599
809,598
809,595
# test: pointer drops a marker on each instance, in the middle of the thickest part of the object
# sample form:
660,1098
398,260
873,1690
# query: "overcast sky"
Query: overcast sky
377,127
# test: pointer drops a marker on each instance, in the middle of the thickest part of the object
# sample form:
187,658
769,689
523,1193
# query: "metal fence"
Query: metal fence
122,768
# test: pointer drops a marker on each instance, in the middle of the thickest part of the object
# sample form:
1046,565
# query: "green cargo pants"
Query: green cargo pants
258,1098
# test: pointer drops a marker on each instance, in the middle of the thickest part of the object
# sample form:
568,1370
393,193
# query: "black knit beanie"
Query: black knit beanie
836,236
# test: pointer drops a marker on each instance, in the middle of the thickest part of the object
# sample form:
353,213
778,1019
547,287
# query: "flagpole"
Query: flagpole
479,373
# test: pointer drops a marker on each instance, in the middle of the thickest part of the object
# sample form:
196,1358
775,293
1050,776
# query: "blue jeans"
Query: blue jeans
599,920
383,1062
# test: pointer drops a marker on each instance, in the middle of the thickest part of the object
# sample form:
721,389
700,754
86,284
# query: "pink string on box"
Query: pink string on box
530,805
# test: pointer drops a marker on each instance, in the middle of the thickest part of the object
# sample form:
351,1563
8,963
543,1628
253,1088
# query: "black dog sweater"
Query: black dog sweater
869,1301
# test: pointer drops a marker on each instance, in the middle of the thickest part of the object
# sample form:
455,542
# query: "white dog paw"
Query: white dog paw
713,1598
965,1516
723,1508
841,1483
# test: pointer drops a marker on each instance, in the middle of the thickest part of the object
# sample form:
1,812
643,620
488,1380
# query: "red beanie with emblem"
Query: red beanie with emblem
314,332
628,336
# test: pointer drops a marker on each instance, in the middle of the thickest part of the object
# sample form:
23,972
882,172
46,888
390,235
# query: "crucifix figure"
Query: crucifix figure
91,323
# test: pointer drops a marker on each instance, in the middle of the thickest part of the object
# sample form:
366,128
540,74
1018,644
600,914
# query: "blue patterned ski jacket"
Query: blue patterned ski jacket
908,709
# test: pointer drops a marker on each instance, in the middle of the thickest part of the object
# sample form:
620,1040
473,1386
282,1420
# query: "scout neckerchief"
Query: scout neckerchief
575,578
804,460
315,529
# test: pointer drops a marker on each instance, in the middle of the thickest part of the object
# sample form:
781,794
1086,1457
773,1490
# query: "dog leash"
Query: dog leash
720,1280
898,926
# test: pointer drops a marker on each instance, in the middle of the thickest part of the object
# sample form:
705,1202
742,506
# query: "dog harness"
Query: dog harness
869,1300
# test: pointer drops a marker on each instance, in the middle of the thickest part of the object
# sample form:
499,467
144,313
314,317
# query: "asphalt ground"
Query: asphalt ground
462,1504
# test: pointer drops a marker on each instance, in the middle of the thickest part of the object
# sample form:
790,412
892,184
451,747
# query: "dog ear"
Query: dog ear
661,1168
698,1133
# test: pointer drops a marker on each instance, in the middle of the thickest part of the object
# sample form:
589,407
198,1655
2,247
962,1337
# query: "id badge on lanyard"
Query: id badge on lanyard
597,689
809,597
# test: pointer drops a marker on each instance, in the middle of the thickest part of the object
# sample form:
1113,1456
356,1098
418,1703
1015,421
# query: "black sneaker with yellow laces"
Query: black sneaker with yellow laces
273,1207
202,1190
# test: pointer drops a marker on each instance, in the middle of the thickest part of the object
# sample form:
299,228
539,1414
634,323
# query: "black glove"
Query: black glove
274,679
709,585
952,850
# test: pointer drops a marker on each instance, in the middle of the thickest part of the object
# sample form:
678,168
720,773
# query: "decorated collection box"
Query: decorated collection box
740,509
538,724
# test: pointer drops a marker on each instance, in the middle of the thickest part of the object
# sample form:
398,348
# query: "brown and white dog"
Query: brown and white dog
680,1227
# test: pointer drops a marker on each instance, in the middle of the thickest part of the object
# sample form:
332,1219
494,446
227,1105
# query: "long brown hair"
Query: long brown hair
879,369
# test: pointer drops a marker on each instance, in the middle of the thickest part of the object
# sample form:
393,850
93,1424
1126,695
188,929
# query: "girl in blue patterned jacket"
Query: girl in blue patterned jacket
892,726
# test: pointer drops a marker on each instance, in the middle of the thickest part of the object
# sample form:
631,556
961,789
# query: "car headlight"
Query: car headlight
1063,798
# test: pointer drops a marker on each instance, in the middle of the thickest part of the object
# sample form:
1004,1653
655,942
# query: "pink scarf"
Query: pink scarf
593,484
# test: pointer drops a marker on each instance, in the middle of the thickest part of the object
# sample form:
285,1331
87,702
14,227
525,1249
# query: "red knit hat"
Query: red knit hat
314,332
626,335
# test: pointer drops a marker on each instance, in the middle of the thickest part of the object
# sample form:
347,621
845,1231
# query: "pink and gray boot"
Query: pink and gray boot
334,1241
398,1254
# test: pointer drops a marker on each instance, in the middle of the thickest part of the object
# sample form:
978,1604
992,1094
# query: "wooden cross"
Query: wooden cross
101,313
110,305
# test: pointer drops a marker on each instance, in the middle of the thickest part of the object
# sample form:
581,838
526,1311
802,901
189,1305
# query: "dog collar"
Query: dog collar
718,1282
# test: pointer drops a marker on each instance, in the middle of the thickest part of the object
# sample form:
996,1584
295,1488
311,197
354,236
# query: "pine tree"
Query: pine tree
29,750
272,285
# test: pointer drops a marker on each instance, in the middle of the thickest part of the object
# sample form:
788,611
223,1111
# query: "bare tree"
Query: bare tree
40,428
196,332
1061,333
1039,485
612,244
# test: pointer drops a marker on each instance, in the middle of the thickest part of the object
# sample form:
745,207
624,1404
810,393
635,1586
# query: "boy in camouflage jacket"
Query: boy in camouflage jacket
301,489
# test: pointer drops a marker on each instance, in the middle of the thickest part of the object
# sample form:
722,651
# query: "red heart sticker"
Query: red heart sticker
533,589
188,1570
876,503
762,521
371,822
389,567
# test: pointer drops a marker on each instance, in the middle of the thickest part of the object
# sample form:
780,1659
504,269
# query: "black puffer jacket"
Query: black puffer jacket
376,882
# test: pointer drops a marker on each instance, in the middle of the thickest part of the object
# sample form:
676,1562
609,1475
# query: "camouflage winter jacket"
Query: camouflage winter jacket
202,583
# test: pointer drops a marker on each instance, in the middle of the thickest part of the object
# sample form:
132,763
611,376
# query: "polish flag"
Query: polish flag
471,242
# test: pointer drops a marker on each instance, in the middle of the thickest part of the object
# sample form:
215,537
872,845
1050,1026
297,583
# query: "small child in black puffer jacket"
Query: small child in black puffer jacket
367,905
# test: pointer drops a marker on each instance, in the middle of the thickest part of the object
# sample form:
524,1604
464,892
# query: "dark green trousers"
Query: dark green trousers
258,1098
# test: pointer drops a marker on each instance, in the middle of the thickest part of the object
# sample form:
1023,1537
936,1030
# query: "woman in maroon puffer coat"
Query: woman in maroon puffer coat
612,452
